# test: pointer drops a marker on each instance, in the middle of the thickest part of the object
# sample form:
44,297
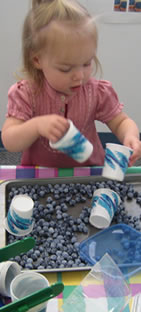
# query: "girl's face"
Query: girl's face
69,62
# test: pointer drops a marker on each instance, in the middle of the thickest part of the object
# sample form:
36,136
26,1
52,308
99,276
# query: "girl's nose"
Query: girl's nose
78,75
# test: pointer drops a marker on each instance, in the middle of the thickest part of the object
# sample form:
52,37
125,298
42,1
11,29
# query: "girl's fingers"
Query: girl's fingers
56,134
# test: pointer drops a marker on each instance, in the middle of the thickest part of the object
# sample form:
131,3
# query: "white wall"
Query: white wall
121,64
119,51
12,13
120,54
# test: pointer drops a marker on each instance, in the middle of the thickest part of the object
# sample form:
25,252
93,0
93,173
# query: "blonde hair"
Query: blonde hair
42,13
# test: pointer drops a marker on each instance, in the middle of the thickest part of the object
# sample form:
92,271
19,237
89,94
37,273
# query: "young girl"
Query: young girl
59,55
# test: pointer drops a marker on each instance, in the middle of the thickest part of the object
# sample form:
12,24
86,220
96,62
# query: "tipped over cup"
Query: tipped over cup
74,144
19,220
116,161
8,271
104,205
26,283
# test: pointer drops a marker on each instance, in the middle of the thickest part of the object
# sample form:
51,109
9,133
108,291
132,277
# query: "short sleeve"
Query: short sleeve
19,101
108,105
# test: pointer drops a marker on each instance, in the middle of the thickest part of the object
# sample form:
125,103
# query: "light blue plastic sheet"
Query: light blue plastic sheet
104,289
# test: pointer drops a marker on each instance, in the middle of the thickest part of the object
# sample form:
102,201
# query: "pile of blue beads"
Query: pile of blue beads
61,215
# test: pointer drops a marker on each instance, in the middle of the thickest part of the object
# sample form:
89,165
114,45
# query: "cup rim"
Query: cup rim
5,267
26,274
121,146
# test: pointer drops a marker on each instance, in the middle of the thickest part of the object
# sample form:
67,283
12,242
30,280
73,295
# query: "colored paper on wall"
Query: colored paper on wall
138,5
131,5
120,5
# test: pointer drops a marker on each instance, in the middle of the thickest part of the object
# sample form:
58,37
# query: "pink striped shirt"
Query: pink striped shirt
96,100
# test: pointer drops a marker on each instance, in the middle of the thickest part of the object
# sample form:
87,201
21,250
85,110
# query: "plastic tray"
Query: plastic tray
5,187
120,241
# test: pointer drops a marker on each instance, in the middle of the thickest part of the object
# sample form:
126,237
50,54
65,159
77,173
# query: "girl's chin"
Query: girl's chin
66,92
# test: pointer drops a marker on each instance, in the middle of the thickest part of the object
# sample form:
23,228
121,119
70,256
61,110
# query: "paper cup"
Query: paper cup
25,284
104,205
8,271
22,205
19,221
116,161
74,144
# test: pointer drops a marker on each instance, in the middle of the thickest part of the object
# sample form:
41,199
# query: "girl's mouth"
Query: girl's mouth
75,88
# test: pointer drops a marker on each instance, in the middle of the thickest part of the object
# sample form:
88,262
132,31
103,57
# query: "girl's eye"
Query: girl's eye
88,64
65,70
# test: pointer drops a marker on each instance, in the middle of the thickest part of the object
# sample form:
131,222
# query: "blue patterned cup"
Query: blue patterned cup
116,161
19,220
74,144
104,205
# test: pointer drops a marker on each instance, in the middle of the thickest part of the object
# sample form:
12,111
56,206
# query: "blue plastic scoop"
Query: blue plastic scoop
121,242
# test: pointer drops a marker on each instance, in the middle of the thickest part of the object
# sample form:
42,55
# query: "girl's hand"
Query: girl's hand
52,127
134,143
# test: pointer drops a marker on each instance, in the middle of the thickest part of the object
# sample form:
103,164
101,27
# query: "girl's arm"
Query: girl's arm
18,135
127,132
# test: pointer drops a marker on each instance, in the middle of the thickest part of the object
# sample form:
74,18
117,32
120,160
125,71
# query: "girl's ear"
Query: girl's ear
36,61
